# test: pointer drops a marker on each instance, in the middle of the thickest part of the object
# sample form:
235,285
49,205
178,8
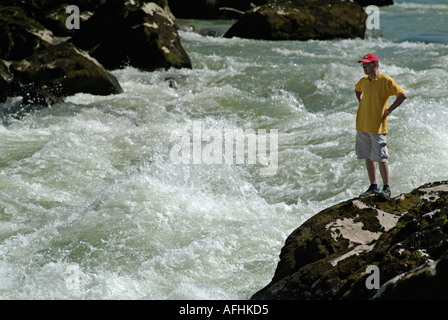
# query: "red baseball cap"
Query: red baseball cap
369,58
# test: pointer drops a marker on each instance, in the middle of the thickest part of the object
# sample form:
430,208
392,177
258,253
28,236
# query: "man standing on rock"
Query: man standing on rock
373,92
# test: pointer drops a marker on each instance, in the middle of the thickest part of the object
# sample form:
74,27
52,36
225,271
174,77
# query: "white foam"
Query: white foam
88,184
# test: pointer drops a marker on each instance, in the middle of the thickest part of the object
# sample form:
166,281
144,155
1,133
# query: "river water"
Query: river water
127,196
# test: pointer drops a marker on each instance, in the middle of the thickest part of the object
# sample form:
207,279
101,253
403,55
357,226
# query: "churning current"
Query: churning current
125,197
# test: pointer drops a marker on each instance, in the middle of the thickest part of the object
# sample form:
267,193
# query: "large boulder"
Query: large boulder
328,256
3,88
55,20
21,36
211,9
378,3
232,9
426,282
54,13
60,71
39,7
301,20
5,78
31,8
141,35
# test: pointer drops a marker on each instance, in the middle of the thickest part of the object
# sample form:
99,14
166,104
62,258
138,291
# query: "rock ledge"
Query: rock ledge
328,256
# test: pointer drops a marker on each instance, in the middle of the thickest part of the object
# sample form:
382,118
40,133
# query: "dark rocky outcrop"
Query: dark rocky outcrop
428,281
53,14
378,3
232,9
31,8
211,9
5,77
406,238
135,32
301,20
59,71
21,36
55,20
123,33
37,8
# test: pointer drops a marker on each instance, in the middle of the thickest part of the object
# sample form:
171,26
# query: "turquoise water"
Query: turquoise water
92,205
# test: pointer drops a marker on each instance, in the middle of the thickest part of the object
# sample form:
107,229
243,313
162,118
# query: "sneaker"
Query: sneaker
385,193
371,191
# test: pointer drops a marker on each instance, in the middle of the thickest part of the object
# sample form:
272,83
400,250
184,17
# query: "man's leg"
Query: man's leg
384,171
371,171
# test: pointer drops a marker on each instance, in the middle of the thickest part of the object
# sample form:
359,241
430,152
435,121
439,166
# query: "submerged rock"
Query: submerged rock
328,255
301,20
60,71
122,32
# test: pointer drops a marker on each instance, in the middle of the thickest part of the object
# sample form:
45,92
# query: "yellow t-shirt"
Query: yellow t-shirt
374,102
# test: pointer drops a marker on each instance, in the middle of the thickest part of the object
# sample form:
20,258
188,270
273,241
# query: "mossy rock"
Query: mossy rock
60,71
124,33
5,78
301,20
21,36
211,9
428,281
55,20
378,3
327,256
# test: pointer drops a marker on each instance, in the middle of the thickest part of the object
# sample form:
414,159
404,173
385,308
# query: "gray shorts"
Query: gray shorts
371,146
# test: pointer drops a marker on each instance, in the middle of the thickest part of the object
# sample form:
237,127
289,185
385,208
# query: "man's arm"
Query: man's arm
358,95
395,105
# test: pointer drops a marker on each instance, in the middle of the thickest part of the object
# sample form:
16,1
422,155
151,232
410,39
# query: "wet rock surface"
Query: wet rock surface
405,237
123,33
301,20
57,72
115,34
21,36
